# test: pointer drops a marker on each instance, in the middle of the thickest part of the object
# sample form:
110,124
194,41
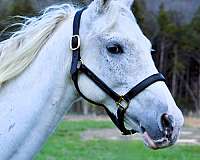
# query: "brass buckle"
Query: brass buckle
122,103
78,45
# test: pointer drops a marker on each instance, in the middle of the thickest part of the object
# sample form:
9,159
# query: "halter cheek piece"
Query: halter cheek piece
122,101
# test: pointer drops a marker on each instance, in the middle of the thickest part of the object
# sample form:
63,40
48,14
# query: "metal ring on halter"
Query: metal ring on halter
122,103
75,40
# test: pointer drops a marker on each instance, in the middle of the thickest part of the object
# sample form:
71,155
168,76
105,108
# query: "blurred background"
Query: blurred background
173,26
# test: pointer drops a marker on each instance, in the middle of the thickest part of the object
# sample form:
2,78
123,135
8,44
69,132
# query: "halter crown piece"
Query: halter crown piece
122,101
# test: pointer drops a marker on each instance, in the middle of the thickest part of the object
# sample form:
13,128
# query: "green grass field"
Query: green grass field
65,144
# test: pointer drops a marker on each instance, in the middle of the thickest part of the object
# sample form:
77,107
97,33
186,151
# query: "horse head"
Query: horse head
116,50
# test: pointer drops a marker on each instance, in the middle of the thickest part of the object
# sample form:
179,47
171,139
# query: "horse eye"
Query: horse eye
114,49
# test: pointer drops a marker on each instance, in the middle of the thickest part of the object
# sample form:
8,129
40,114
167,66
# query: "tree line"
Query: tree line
176,48
177,52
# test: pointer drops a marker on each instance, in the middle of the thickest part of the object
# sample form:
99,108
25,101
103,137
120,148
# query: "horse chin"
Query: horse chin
148,141
157,144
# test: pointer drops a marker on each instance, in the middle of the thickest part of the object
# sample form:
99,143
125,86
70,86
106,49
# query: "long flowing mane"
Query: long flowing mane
17,52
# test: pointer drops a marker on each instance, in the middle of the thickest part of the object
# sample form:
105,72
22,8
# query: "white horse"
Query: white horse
36,87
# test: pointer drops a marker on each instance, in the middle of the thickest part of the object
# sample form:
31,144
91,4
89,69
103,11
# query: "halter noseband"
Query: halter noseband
122,101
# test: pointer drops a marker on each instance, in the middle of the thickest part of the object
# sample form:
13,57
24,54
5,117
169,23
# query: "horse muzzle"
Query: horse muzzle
168,134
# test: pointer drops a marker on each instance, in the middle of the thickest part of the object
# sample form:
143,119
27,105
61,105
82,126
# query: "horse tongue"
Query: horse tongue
149,141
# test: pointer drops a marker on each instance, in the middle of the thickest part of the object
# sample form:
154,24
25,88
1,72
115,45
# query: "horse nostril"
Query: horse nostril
167,124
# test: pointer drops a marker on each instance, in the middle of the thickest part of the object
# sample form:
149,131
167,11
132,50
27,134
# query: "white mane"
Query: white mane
17,52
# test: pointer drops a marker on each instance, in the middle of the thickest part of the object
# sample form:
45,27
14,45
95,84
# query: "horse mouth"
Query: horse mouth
156,144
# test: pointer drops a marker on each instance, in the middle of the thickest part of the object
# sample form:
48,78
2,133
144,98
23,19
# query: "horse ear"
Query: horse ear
104,3
100,5
128,3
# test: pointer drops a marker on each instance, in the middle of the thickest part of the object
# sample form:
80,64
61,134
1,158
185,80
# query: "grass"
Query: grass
66,144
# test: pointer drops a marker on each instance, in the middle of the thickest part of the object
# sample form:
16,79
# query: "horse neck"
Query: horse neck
32,104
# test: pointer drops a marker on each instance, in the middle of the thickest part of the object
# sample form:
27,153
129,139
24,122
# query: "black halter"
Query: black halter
122,101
